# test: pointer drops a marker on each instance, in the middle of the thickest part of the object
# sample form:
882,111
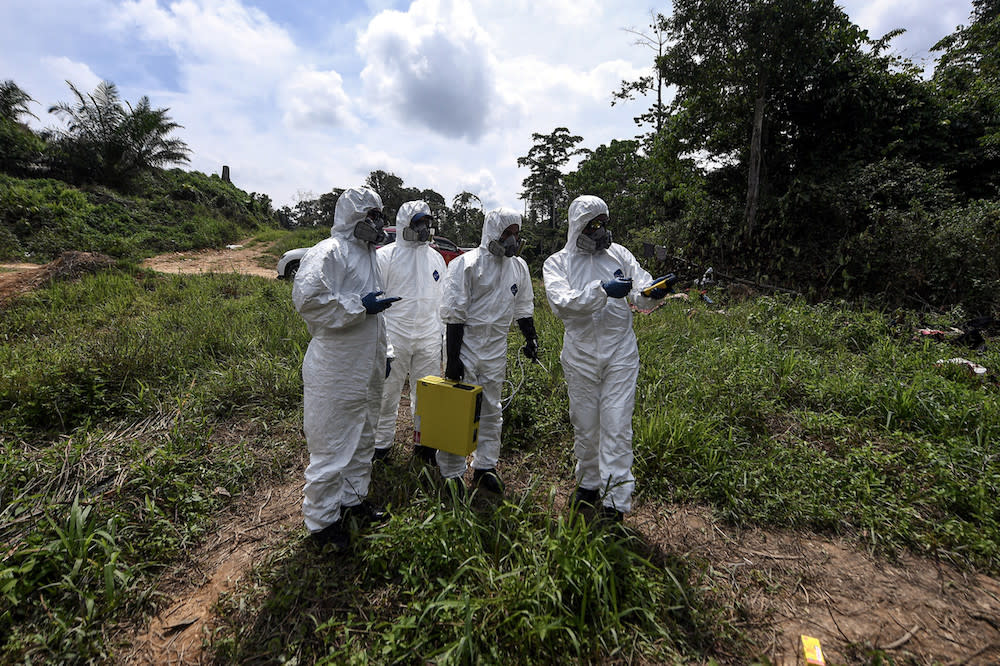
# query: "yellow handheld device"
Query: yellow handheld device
449,414
665,283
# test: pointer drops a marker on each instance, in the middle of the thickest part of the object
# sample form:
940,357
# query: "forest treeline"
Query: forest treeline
782,143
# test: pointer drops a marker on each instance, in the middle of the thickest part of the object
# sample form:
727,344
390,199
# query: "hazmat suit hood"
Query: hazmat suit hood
352,207
403,217
494,224
583,209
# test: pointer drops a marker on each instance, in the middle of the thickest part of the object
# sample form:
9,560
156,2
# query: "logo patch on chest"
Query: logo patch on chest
436,275
513,289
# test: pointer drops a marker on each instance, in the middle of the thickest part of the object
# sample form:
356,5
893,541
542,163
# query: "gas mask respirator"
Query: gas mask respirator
370,229
594,240
418,231
509,247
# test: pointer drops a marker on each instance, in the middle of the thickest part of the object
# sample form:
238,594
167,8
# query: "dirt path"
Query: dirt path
249,257
245,257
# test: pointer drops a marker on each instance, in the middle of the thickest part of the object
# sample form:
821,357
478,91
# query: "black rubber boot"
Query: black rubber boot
586,496
364,514
488,480
334,536
381,455
609,515
425,454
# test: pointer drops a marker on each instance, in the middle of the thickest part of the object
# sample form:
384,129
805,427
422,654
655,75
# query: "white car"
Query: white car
288,265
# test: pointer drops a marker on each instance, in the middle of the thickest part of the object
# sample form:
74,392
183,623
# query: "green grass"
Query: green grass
283,241
825,417
136,408
173,211
513,582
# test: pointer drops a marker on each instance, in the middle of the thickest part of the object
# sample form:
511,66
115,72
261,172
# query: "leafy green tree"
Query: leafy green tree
20,148
14,102
788,100
390,187
467,216
108,141
967,77
617,173
544,188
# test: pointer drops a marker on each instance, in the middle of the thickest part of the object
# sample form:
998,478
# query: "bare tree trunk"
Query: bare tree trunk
756,157
659,88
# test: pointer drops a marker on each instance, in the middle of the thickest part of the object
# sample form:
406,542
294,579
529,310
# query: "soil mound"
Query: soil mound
69,266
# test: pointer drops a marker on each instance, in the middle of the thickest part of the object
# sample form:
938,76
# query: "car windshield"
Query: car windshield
445,244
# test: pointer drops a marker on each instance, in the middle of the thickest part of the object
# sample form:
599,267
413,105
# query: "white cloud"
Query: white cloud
219,32
313,99
433,68
77,73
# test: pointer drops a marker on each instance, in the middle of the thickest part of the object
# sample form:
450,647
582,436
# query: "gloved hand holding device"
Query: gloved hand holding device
661,286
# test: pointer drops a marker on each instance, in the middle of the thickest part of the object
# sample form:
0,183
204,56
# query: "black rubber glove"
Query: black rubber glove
453,368
388,366
530,348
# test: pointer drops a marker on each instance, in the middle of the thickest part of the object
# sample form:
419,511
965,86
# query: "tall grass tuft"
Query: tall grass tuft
513,583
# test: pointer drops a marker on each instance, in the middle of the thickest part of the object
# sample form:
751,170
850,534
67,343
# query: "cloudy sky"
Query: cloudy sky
301,96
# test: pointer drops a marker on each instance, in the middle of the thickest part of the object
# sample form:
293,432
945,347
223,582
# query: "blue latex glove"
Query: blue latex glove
617,288
388,366
661,292
373,304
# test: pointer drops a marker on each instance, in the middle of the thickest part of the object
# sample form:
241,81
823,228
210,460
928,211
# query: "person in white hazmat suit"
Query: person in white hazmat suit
337,291
589,284
415,271
486,289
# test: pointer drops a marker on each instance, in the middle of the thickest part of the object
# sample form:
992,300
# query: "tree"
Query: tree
468,214
967,78
390,188
20,148
655,39
544,188
617,174
110,142
782,91
14,102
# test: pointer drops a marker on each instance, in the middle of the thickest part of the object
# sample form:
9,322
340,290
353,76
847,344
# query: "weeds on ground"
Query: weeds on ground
828,417
509,582
134,408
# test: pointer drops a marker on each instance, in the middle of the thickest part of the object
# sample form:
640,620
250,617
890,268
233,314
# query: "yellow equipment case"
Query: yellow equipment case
449,414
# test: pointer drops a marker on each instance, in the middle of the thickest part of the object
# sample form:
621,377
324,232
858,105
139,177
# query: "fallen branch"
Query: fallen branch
774,556
719,275
902,640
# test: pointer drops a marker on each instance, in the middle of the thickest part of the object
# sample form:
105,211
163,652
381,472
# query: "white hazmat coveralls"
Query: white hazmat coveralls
600,357
344,366
486,293
415,271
